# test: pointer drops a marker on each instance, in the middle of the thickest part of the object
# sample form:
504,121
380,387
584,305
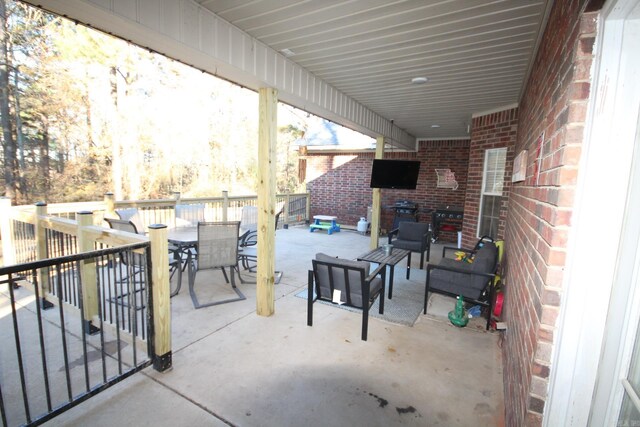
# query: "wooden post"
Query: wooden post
161,297
377,196
267,136
6,231
225,204
308,209
87,272
172,216
110,206
41,252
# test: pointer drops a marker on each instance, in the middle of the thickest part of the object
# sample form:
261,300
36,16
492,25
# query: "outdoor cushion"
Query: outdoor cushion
412,230
457,283
410,245
485,259
356,278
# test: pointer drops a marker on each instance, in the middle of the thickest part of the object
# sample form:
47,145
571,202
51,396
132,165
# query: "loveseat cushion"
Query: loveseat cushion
486,258
457,283
358,271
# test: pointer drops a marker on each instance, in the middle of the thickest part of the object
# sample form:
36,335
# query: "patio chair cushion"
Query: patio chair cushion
486,258
358,271
410,245
412,231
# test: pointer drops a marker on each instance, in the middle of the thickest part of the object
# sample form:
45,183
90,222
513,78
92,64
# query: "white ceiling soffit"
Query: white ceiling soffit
475,53
350,61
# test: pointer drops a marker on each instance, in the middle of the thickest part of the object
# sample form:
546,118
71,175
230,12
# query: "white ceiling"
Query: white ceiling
475,53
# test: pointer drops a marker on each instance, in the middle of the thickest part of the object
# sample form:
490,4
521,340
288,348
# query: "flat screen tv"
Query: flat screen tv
398,174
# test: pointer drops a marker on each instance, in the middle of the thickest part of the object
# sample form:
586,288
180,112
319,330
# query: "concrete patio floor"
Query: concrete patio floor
232,367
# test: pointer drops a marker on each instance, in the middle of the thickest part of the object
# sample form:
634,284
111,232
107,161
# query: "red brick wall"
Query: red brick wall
539,215
339,183
494,130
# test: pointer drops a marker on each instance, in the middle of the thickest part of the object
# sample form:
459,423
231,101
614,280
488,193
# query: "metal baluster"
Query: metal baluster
63,331
101,317
16,334
84,327
43,351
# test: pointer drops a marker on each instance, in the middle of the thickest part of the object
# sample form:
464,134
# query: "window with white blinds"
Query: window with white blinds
491,196
493,177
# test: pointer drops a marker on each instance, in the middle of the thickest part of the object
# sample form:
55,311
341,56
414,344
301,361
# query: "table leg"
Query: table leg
408,265
391,268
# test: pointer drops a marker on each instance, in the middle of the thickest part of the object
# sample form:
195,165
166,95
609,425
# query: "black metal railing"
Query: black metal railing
297,208
72,327
24,241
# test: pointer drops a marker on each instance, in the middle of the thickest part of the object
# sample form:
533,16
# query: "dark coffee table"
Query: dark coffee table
380,257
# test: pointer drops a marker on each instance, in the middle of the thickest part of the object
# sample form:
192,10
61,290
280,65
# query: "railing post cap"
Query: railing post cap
85,213
157,226
41,203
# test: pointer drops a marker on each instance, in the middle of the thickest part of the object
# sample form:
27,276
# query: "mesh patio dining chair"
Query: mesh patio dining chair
248,252
134,263
189,215
133,215
217,248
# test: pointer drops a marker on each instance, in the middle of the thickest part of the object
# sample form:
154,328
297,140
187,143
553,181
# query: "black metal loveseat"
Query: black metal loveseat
473,281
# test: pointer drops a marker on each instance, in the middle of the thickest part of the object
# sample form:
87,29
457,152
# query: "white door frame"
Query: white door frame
598,217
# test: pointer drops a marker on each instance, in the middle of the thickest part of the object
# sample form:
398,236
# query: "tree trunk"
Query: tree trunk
9,145
44,160
116,158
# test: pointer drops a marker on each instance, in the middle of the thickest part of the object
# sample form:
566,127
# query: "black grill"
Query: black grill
405,210
446,219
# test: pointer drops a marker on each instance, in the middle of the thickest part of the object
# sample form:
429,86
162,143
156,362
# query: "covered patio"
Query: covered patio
233,367
550,84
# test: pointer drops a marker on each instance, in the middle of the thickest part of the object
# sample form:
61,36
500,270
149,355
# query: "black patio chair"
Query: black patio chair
414,237
358,288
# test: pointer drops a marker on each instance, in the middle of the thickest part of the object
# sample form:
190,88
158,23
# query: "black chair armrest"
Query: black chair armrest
451,248
459,270
426,239
392,233
375,272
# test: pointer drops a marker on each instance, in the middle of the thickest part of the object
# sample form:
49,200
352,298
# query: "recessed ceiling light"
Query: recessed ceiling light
435,126
287,52
419,80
